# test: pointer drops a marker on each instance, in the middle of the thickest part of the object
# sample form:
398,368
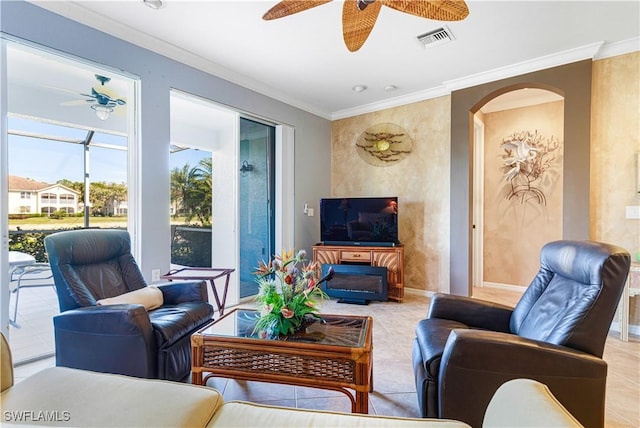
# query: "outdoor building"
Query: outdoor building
117,208
27,196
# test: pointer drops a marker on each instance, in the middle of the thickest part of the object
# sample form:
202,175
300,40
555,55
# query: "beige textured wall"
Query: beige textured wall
516,226
421,182
615,141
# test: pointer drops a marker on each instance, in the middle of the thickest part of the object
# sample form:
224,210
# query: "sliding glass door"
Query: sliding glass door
257,197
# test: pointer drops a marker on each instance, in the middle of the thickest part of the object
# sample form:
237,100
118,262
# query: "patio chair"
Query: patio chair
33,275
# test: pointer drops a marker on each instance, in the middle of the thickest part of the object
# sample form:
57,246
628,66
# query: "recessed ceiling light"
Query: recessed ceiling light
359,88
154,4
390,88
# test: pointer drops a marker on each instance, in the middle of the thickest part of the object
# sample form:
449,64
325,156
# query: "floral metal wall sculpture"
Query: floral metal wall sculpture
527,155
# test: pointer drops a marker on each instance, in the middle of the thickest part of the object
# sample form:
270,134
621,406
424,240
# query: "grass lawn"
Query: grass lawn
46,223
37,223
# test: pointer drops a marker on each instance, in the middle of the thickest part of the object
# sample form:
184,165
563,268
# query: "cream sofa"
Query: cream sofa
60,396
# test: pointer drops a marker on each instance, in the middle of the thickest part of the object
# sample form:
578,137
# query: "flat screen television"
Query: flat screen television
359,221
357,284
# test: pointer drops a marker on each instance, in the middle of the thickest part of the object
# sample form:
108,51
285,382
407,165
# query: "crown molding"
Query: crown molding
413,97
529,66
618,48
76,12
598,50
84,16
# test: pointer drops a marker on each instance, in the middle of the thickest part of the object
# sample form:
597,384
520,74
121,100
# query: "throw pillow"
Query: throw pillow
150,297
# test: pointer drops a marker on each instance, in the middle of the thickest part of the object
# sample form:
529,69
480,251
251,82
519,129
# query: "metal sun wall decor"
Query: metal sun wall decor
527,156
384,144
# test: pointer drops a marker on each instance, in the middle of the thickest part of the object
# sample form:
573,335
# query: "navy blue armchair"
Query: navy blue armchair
466,348
94,264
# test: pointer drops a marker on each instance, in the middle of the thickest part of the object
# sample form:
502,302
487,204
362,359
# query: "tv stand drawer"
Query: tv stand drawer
355,256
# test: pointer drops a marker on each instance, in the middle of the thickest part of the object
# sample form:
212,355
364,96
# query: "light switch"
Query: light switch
310,212
633,211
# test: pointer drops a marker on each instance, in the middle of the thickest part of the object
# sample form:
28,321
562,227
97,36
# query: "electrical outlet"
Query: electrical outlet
155,275
310,212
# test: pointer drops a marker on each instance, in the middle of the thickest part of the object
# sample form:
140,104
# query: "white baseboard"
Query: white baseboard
501,286
634,329
421,293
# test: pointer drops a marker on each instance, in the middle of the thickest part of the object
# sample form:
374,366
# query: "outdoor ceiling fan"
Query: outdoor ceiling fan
103,99
359,16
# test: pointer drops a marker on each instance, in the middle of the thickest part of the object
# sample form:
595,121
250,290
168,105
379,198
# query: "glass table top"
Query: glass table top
336,330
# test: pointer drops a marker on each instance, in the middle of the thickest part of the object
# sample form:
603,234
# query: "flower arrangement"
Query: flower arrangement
288,294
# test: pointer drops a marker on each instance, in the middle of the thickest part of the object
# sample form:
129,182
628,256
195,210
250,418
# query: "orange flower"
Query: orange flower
310,267
285,256
263,269
286,312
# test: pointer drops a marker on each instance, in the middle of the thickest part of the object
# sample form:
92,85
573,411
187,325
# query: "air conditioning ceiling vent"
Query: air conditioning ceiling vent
436,37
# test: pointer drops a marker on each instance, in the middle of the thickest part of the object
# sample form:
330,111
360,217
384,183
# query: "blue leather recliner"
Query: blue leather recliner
93,264
466,348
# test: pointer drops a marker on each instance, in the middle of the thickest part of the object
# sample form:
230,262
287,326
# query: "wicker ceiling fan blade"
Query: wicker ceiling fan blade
357,24
440,10
289,7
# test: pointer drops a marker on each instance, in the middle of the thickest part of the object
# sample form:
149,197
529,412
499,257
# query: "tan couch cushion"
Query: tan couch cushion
6,362
87,399
526,403
244,414
150,297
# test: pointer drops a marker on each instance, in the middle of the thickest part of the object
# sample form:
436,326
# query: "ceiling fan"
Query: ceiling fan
104,100
359,16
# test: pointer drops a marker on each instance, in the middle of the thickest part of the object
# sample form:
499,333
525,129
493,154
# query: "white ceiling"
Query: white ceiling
53,88
302,60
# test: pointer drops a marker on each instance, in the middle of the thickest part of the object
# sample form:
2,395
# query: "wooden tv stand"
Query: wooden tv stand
390,257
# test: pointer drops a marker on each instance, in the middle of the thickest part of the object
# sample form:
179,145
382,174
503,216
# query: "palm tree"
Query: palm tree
178,188
191,191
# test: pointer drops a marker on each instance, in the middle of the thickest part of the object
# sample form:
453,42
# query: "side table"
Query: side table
207,274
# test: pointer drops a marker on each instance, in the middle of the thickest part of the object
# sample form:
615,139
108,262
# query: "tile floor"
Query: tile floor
394,389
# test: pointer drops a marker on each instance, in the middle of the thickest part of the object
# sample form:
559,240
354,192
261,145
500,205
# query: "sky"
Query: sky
50,161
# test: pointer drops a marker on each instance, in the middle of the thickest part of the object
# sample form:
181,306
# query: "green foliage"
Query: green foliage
24,216
30,243
103,196
58,214
191,246
191,191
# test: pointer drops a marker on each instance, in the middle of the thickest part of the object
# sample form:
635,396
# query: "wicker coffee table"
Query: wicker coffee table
335,354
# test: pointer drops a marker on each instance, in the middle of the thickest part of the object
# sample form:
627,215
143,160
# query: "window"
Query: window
57,158
55,138
49,198
67,198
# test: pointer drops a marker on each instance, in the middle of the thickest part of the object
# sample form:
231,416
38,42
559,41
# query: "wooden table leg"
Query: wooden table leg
362,402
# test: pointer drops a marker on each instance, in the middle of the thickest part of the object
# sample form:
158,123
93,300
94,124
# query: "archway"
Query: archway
574,81
517,182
